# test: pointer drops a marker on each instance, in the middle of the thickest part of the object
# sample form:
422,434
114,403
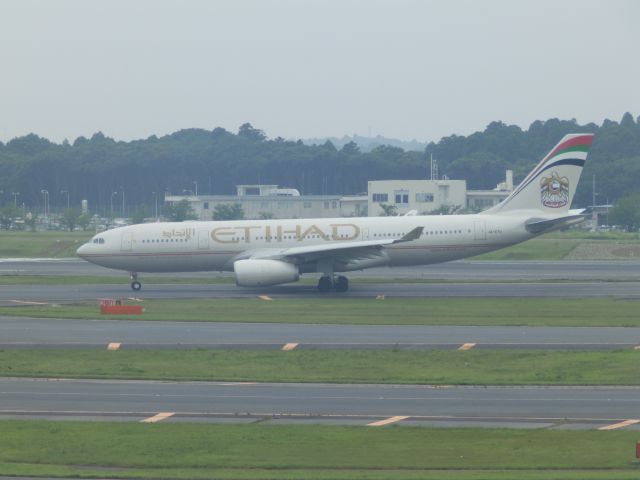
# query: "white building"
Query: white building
420,195
424,196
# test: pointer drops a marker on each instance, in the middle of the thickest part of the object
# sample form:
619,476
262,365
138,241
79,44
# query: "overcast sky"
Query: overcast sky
404,69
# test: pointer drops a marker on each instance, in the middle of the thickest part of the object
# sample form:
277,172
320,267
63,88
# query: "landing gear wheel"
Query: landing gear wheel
324,284
136,286
342,284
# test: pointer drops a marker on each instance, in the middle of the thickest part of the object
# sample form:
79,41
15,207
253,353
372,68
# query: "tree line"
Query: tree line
132,176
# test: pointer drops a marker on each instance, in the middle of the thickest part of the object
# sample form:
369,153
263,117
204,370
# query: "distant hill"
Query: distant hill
366,144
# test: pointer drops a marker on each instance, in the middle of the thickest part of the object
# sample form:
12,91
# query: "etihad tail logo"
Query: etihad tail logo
554,191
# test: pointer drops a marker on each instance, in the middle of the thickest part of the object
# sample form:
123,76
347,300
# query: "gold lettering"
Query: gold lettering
247,233
355,231
314,230
216,233
295,231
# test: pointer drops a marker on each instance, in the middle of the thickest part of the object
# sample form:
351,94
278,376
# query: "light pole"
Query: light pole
196,184
62,192
122,188
15,198
112,195
155,196
45,201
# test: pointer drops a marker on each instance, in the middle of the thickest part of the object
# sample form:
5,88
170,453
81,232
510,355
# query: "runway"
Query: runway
77,293
54,333
533,407
460,270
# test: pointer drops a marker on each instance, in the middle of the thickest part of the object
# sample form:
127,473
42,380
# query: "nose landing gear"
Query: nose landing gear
135,284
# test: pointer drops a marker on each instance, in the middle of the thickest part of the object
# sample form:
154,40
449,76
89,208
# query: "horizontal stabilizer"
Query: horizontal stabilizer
539,225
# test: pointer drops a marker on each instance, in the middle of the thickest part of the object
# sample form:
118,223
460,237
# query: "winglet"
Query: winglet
411,236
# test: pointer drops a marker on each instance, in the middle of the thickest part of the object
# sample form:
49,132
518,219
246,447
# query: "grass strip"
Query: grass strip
476,367
556,312
42,244
130,450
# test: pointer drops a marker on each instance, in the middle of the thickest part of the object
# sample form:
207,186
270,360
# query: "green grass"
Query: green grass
557,245
391,311
129,450
41,244
475,367
535,249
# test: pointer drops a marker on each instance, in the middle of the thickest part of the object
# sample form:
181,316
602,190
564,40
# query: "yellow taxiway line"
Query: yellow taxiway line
387,421
615,426
158,417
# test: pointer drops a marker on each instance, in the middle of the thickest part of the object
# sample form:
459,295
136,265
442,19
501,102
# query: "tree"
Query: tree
69,218
139,214
8,214
265,215
228,211
180,211
388,210
83,221
626,212
246,130
447,210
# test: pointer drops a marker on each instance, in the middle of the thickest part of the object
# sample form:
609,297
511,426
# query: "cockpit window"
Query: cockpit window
98,240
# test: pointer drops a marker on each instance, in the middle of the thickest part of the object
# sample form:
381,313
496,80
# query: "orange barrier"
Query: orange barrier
121,309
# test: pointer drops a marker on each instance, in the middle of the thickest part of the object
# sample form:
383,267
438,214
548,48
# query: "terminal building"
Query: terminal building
422,196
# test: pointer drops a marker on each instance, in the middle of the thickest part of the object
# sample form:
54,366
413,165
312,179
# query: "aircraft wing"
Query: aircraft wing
342,252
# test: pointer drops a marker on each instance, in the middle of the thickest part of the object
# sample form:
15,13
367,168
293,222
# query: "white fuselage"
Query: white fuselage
216,245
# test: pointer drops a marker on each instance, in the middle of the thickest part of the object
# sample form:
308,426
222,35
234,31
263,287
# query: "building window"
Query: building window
327,205
307,204
205,205
424,197
334,204
402,197
380,197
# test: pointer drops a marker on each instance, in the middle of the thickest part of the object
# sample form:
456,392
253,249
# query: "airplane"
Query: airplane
272,252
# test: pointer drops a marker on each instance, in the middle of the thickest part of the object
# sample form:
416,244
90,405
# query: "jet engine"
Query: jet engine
258,273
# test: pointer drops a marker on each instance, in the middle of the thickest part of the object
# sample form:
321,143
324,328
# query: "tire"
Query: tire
342,284
324,284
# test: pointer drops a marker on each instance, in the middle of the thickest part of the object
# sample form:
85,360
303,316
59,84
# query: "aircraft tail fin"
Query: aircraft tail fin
551,185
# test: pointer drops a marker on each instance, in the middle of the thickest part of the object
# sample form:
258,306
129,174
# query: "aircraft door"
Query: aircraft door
203,239
127,242
480,230
365,234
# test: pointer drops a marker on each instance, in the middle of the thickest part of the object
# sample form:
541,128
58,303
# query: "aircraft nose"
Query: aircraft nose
83,250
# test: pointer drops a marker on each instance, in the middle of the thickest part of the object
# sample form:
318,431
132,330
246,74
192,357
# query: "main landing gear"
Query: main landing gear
135,284
330,283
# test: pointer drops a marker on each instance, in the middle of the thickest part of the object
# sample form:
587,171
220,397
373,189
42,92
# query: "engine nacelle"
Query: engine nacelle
258,273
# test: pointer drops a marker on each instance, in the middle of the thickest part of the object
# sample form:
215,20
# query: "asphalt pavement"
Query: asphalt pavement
557,407
17,332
